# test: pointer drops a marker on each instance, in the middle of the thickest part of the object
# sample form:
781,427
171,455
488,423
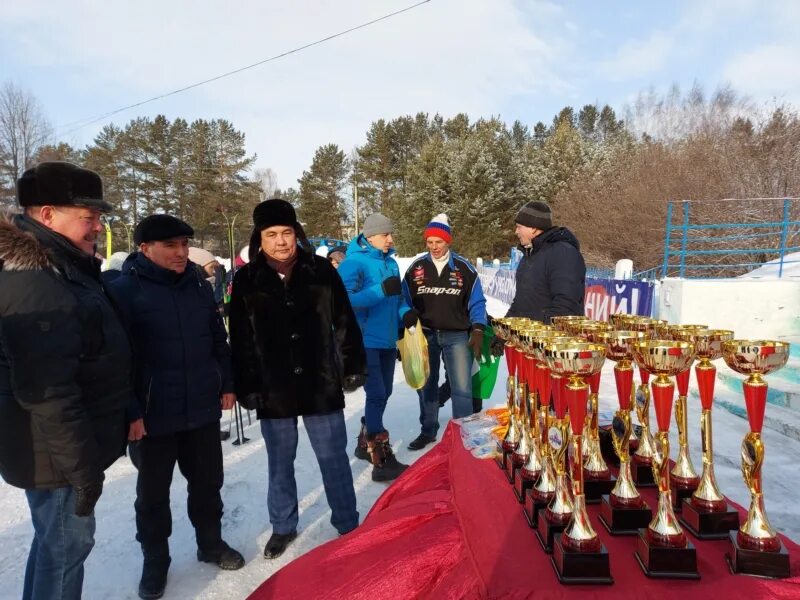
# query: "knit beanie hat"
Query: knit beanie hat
439,227
536,215
375,224
201,256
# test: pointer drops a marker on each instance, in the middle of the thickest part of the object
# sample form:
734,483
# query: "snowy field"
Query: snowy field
113,569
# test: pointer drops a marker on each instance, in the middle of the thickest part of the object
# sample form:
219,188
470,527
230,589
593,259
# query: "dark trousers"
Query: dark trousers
378,386
198,453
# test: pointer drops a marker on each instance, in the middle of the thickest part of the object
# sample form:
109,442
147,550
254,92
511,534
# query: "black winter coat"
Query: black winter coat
181,348
551,277
293,343
64,362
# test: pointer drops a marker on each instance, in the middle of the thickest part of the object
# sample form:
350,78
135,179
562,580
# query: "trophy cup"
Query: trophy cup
641,466
529,471
539,496
512,437
518,455
663,551
623,511
559,510
579,556
756,549
707,514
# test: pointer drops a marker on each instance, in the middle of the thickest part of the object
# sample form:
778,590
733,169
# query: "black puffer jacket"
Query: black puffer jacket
293,343
181,350
65,362
551,278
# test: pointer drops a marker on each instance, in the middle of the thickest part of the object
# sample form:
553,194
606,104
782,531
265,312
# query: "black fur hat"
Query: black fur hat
58,183
269,213
157,228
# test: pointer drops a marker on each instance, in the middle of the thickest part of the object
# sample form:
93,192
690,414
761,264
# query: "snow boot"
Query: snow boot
223,556
277,544
421,441
385,467
361,444
154,572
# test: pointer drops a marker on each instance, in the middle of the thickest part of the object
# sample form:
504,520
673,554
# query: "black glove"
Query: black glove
410,319
399,356
497,347
86,497
476,342
391,286
352,382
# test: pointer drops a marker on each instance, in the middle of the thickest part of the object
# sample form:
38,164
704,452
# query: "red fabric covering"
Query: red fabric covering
450,527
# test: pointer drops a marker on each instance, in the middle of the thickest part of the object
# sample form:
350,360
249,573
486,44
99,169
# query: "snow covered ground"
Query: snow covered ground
113,569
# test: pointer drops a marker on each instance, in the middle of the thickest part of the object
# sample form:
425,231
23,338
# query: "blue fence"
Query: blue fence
693,248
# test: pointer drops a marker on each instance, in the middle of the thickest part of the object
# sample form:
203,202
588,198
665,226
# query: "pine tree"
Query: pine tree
322,203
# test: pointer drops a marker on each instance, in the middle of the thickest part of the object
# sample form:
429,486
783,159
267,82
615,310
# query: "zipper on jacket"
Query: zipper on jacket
147,398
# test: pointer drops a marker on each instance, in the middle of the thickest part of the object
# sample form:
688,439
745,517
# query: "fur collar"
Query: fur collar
19,250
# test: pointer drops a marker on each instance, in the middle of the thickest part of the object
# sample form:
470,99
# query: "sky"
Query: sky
513,59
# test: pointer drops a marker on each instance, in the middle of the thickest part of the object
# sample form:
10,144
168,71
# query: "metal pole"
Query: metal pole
685,234
667,239
784,235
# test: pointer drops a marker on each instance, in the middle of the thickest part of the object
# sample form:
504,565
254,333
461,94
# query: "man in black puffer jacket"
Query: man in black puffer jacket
552,275
182,380
64,370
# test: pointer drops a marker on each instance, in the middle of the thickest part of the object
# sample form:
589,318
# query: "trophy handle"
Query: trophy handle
620,436
752,459
679,409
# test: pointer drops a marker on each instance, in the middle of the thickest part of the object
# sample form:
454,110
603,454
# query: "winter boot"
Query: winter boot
223,556
277,543
385,466
154,572
421,441
361,444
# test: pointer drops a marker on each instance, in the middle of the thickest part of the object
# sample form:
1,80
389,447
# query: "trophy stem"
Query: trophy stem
664,530
546,483
523,449
594,464
560,507
707,495
533,465
644,453
624,493
579,535
512,436
683,474
756,533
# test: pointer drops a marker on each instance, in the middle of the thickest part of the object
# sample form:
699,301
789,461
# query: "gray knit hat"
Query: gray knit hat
376,223
536,215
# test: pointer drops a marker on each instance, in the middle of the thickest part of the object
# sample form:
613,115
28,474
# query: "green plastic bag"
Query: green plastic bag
414,355
485,372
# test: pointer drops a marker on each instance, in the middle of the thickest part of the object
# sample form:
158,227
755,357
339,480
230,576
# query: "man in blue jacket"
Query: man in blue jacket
444,289
372,280
182,381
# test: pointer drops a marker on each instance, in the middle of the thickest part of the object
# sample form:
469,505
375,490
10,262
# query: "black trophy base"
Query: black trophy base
772,565
679,494
666,563
624,521
546,532
642,474
511,471
706,525
532,508
595,489
581,568
503,457
521,485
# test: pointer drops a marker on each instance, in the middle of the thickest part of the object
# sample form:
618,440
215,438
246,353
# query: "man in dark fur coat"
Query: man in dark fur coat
296,343
64,370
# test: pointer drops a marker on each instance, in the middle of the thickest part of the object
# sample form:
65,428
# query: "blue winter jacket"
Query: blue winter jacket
362,271
181,353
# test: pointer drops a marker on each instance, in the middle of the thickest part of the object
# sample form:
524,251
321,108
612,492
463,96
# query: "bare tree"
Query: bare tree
267,182
23,130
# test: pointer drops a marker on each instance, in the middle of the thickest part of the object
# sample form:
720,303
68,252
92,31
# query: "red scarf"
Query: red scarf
283,267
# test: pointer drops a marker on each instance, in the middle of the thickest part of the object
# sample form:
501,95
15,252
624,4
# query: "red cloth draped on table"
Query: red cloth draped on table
450,527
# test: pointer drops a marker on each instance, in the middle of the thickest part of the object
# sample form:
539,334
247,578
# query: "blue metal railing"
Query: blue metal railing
681,261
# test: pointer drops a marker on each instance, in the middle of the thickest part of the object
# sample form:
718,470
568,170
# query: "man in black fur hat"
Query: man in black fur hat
64,370
296,343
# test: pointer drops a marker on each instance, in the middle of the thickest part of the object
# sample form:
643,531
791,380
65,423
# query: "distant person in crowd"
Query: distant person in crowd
113,267
183,381
551,275
296,344
337,255
65,370
211,270
372,279
446,292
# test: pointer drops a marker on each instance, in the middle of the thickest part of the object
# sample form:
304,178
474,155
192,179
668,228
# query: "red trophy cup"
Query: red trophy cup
512,437
623,511
663,551
579,556
756,549
539,496
641,466
707,514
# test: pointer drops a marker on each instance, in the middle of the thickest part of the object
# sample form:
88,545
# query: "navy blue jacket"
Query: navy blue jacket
181,352
452,301
551,277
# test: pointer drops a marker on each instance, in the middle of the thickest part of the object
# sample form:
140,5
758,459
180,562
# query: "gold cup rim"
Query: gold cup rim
663,363
733,349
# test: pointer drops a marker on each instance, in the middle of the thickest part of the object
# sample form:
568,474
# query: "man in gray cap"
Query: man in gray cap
65,370
372,279
551,275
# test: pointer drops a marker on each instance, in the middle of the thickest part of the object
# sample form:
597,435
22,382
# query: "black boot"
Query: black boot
223,556
277,544
154,572
385,467
421,441
361,444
